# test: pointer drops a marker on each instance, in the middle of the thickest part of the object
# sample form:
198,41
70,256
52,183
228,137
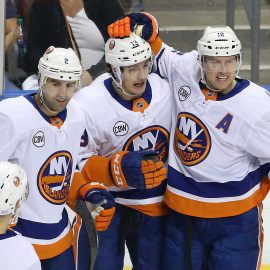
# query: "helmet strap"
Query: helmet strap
42,102
117,78
121,89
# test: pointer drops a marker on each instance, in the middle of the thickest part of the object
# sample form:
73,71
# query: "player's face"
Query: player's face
57,94
135,77
220,72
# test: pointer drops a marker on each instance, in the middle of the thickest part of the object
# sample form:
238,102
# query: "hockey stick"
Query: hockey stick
89,222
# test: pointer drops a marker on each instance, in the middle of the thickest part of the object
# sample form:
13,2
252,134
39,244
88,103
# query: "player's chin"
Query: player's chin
59,108
62,104
139,87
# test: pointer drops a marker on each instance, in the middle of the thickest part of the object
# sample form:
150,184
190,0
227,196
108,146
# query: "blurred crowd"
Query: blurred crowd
79,24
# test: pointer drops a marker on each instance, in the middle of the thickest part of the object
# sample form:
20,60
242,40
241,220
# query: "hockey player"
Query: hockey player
218,172
13,189
42,133
128,110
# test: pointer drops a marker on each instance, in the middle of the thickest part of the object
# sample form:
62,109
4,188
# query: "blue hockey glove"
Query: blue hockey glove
143,24
102,205
137,169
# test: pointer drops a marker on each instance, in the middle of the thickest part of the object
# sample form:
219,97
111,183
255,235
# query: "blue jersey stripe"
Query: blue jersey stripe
45,231
213,190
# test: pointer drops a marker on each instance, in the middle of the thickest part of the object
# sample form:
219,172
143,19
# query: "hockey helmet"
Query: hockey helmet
60,64
13,187
219,41
128,51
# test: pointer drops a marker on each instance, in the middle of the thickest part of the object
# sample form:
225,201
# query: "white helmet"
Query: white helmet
60,64
128,51
13,187
219,41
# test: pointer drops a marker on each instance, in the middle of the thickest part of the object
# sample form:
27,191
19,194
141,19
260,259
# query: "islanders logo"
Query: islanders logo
192,142
54,177
150,138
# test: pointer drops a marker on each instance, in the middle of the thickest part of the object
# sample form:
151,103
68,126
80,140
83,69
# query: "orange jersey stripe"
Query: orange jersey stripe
260,238
215,210
77,182
52,250
76,229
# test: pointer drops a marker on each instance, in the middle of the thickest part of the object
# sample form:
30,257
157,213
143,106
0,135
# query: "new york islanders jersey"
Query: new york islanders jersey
116,125
16,253
47,148
219,155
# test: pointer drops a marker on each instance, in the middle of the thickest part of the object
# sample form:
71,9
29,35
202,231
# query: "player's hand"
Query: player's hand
137,169
143,24
101,204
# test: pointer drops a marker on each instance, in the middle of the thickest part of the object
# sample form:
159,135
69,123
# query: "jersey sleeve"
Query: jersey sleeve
176,65
165,60
258,141
88,148
9,137
93,166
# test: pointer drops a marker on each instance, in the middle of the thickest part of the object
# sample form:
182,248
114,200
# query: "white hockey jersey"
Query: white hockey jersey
116,125
219,155
49,154
16,253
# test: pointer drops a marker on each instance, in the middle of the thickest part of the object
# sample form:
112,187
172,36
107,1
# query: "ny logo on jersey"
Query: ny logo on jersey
59,165
146,140
151,138
192,141
54,177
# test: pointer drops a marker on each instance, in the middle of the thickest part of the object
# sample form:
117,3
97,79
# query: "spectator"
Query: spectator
11,36
11,33
79,24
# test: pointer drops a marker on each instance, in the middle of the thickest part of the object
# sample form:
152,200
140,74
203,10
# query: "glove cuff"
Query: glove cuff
154,35
86,188
116,169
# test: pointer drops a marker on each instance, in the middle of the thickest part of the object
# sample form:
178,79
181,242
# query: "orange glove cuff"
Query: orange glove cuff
84,189
116,169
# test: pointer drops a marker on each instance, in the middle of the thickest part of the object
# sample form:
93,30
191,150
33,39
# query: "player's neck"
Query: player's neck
225,91
44,108
121,94
4,222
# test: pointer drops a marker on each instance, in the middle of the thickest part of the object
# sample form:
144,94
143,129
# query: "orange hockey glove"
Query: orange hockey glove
137,169
100,203
143,24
